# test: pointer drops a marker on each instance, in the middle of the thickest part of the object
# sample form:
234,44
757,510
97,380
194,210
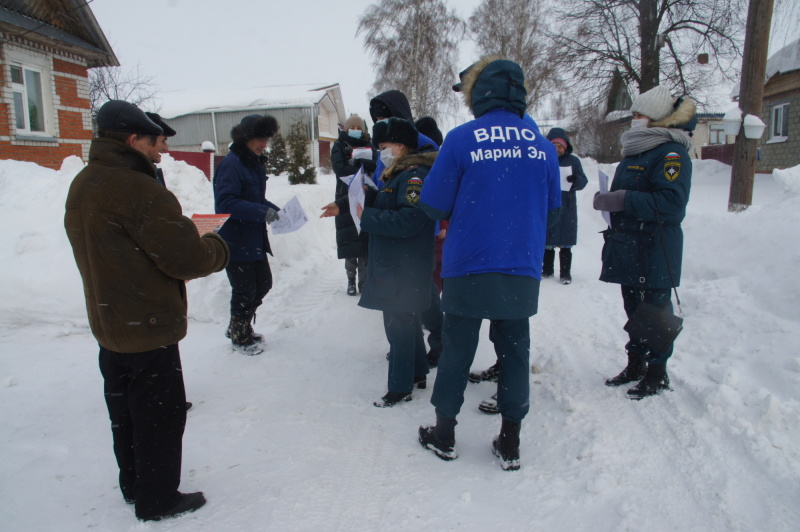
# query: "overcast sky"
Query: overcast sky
187,44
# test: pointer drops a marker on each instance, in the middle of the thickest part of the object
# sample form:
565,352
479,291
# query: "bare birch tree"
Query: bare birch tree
414,46
650,42
115,83
517,29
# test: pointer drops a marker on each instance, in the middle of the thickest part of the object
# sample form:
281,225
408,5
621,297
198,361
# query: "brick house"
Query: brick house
780,145
46,50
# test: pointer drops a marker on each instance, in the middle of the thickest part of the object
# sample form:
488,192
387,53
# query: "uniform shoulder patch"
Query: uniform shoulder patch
672,156
672,169
413,190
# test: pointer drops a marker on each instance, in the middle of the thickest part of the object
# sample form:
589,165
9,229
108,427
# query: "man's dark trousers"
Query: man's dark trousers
146,403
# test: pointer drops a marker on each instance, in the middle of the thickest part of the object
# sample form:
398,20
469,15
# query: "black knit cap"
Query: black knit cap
155,117
119,115
395,130
427,126
254,127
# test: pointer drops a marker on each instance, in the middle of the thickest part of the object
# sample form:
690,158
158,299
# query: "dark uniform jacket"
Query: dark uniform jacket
657,184
401,248
134,250
349,243
565,231
240,186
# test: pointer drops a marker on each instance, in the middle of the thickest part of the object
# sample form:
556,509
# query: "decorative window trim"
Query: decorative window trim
24,69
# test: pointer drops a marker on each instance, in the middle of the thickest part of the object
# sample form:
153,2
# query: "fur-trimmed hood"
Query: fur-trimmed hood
683,117
405,162
494,82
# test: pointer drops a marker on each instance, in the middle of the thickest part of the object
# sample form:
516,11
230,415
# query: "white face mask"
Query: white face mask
639,123
386,157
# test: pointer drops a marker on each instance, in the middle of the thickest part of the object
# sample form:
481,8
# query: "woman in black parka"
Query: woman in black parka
564,234
643,248
350,245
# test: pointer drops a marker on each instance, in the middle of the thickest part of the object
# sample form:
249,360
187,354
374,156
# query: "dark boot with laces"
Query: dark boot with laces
654,382
241,337
351,287
440,439
490,374
506,445
633,372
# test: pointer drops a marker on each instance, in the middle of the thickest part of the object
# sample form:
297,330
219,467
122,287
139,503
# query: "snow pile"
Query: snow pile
790,178
289,440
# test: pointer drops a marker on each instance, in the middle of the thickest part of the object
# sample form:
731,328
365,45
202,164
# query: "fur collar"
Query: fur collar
407,161
679,117
474,72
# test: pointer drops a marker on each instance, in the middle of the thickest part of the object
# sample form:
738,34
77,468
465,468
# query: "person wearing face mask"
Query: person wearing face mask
400,262
644,245
564,234
350,245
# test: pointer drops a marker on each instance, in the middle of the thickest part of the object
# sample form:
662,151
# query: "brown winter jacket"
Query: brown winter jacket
134,250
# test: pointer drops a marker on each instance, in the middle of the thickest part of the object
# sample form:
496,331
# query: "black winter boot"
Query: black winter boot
187,502
654,381
254,335
241,337
549,262
506,445
392,398
433,357
351,287
565,264
489,406
441,439
489,374
634,371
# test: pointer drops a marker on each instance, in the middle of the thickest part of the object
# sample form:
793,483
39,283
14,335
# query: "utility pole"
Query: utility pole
751,96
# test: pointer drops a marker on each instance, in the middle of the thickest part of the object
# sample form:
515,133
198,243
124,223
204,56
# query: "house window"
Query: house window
779,123
716,135
30,105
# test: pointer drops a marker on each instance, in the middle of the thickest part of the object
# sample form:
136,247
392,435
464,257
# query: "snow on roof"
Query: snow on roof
787,59
179,103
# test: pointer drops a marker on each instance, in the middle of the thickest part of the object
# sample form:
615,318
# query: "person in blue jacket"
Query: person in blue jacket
497,181
564,234
240,186
400,255
643,248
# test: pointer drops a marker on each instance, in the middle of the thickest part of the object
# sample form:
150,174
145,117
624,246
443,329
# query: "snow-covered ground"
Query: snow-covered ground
290,441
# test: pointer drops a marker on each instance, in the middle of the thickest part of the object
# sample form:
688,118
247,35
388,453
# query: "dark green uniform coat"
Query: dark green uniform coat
657,184
401,241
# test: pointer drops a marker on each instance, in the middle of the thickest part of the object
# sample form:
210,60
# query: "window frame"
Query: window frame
28,64
781,110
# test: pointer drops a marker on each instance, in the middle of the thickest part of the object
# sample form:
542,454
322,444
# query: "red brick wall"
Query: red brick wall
66,67
49,157
67,90
71,126
4,118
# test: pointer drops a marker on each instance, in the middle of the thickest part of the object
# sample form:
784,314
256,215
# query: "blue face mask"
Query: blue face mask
355,133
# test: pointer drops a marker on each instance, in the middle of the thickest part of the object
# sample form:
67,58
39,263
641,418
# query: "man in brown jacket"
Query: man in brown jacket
135,250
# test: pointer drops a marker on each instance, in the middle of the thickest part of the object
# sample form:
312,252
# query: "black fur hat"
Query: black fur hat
254,127
395,130
428,127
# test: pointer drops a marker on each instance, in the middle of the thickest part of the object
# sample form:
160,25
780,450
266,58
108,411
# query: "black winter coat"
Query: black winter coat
565,231
349,244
